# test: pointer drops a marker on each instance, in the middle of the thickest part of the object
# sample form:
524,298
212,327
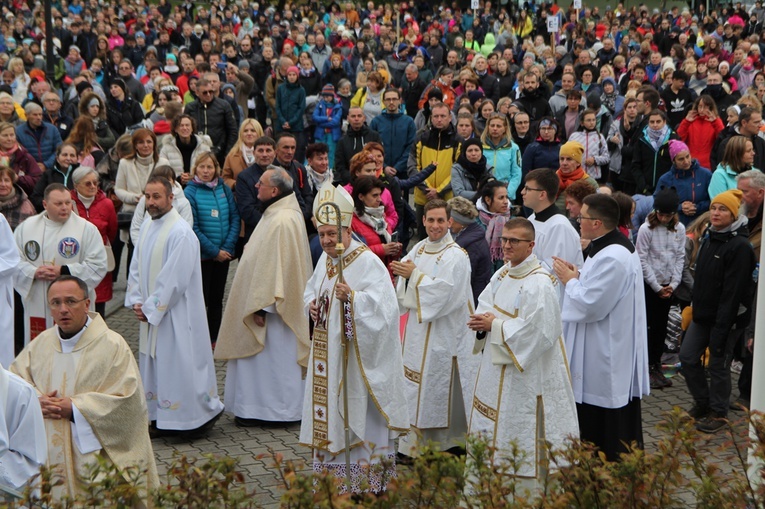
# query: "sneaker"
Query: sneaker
735,367
657,378
699,412
713,423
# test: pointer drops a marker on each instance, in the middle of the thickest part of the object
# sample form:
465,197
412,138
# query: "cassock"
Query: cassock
75,244
174,351
23,441
97,370
9,260
523,392
264,377
439,364
604,326
377,405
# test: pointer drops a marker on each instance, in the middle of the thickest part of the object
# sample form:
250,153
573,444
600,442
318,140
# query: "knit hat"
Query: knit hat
675,147
120,83
328,89
244,64
293,68
730,199
75,48
470,142
172,57
435,92
464,211
572,149
475,96
666,201
83,86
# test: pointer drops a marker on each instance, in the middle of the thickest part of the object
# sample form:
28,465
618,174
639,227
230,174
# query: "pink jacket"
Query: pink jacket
391,216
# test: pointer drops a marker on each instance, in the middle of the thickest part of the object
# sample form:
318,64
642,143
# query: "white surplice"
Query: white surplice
555,236
523,392
23,442
75,243
377,405
439,364
175,357
9,260
604,326
268,386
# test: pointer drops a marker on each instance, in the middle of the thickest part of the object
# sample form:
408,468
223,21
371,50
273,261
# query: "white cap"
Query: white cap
326,215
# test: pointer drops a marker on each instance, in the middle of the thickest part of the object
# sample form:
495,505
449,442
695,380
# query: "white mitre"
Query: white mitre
325,214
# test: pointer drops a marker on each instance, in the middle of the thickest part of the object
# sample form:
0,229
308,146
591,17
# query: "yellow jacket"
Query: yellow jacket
442,147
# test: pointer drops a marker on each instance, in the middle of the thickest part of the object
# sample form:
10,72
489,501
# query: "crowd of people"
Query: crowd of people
500,224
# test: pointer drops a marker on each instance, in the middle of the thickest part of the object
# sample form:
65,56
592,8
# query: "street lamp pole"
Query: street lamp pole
49,49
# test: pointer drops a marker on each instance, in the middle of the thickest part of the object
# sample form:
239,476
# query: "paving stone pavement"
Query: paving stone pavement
246,444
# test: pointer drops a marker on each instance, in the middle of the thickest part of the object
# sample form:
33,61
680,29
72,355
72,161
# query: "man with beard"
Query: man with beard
748,125
532,100
165,293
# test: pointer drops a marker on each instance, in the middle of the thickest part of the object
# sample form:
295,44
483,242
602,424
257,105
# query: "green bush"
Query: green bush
580,479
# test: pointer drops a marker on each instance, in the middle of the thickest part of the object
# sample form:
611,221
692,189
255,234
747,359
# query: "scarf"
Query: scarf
375,218
567,180
609,100
248,154
307,73
316,179
11,196
494,222
201,182
474,171
6,156
657,137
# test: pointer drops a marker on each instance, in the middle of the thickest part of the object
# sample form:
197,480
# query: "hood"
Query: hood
737,229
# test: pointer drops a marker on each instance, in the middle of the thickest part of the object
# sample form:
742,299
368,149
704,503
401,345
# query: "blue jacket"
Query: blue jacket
541,154
290,106
216,218
505,160
397,132
42,144
691,185
326,124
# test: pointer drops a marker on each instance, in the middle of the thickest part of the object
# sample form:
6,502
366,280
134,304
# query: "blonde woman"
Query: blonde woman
242,154
21,80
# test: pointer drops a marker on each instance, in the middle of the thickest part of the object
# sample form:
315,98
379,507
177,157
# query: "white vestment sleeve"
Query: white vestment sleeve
83,433
426,294
23,441
25,275
533,332
173,280
93,267
138,216
594,299
9,254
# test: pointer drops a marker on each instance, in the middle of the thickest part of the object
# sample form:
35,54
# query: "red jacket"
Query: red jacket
700,136
372,240
101,213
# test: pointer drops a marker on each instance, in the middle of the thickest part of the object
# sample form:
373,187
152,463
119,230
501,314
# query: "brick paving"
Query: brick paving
246,444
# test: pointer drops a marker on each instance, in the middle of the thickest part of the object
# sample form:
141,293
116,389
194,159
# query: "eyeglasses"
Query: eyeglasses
89,184
527,188
70,302
580,217
205,92
513,241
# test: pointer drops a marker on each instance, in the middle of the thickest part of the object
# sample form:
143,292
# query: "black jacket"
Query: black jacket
723,283
215,119
348,146
410,95
490,86
647,164
122,116
535,104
